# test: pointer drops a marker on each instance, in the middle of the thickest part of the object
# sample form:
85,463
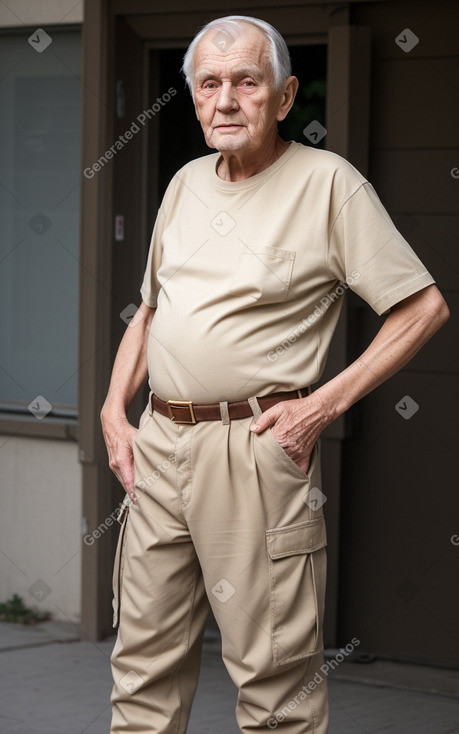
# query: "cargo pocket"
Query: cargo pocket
297,574
119,561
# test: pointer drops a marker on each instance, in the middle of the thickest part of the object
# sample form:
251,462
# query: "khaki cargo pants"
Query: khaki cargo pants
223,516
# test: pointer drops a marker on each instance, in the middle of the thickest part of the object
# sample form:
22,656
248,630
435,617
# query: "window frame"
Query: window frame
18,421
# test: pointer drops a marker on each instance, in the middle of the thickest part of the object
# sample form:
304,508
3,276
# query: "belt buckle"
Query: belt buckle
181,405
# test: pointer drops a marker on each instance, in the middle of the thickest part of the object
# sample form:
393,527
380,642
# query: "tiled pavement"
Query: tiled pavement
54,684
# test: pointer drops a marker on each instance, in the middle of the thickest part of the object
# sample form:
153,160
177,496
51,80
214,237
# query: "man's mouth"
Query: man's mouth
227,126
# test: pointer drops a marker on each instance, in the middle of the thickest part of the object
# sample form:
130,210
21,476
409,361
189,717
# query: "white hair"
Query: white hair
279,57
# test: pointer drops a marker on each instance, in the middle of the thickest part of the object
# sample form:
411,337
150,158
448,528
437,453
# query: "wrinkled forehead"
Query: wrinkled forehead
221,49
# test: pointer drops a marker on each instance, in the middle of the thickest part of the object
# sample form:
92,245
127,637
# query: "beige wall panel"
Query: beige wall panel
414,104
417,181
35,12
40,524
434,23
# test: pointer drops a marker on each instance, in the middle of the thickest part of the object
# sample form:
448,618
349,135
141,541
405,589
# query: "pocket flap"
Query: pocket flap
304,537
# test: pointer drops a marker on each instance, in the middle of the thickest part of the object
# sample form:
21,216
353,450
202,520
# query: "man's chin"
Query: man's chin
229,141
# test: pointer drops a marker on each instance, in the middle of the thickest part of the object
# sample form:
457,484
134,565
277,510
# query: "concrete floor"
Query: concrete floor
54,683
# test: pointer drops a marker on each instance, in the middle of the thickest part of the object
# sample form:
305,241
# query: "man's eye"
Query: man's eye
248,83
209,85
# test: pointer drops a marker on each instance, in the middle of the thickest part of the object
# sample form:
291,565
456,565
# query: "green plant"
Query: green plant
14,610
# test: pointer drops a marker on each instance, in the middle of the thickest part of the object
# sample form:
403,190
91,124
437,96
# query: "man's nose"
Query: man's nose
227,98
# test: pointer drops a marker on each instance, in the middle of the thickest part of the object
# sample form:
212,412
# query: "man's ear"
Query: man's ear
288,97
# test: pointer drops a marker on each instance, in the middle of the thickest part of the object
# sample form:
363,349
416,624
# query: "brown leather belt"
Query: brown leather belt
185,411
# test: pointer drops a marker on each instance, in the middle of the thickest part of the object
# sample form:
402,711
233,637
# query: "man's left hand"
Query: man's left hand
296,426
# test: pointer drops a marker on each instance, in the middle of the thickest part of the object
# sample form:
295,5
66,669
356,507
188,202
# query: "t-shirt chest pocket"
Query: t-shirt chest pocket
263,274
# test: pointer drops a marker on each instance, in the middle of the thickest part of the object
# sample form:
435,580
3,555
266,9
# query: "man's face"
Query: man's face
235,99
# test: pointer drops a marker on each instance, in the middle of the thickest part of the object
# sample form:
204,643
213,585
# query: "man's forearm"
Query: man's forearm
407,328
130,367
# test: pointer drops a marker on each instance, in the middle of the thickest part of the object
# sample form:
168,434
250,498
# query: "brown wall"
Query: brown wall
400,504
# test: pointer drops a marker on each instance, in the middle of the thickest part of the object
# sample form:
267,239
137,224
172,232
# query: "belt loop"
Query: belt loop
255,408
224,413
150,402
300,393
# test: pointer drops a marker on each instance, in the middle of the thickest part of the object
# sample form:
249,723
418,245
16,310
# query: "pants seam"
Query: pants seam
186,641
177,475
183,478
308,698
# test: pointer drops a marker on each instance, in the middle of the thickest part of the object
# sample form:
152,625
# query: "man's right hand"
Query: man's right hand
119,437
128,375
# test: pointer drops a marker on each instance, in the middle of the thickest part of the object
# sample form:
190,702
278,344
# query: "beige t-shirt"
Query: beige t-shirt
248,277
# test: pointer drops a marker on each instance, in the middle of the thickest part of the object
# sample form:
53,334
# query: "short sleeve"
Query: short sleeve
150,285
368,252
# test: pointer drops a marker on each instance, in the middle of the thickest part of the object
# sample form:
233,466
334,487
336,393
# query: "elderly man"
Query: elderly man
251,252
